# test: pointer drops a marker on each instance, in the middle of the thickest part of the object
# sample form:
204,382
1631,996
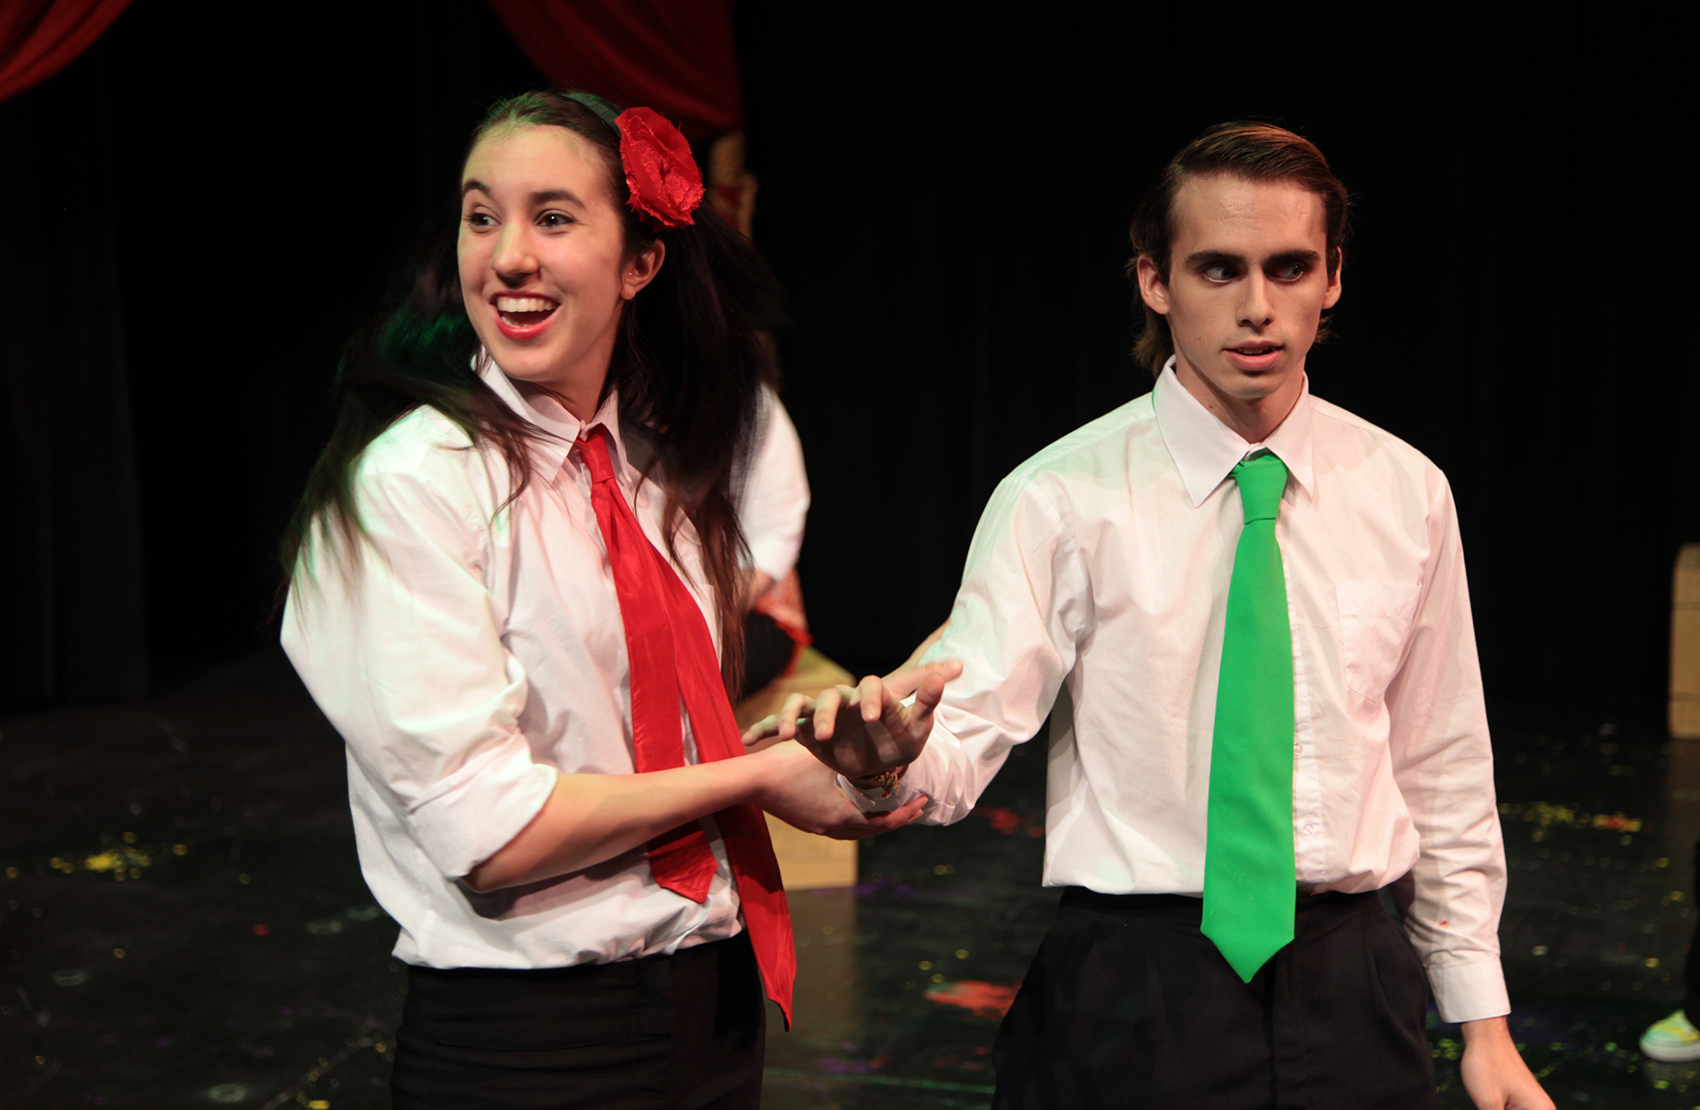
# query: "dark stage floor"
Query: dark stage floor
182,921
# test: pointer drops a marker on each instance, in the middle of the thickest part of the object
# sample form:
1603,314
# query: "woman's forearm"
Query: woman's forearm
591,818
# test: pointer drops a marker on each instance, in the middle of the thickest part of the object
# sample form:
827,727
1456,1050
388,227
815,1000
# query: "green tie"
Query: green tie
1249,883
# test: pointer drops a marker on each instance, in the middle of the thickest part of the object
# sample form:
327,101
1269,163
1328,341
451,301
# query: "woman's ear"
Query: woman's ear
641,269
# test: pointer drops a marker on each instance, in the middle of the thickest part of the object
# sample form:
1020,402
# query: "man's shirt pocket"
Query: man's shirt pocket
1375,623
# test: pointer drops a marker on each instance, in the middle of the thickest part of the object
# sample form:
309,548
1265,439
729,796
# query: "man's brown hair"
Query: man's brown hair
1241,148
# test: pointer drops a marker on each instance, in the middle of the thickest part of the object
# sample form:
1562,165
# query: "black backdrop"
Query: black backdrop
197,212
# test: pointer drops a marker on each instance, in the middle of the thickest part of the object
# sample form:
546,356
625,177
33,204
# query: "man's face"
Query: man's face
1248,282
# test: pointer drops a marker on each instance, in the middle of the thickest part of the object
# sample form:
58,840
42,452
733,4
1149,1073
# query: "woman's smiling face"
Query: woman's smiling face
543,263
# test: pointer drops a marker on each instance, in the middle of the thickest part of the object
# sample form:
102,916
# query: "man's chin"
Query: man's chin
1256,385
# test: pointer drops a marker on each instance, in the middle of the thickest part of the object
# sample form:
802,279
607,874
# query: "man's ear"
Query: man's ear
1152,291
1332,297
641,269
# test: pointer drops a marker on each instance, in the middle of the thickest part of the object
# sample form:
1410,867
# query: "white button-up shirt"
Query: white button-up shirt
773,499
1100,571
476,650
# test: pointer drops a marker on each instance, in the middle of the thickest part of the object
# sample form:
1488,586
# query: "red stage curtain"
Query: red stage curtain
675,56
38,38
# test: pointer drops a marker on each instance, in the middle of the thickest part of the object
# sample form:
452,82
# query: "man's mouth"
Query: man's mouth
1256,357
524,312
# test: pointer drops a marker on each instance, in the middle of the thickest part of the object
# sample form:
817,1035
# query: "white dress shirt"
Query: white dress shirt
773,498
1100,570
476,650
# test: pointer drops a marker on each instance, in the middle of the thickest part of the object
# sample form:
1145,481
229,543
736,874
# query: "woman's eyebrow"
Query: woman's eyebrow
548,196
542,196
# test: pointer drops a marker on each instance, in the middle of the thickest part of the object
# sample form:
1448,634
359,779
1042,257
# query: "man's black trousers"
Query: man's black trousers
1129,1005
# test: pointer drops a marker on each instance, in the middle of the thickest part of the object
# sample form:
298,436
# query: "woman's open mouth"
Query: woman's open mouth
523,317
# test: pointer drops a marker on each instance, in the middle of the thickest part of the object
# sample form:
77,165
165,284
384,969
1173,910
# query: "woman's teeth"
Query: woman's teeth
522,312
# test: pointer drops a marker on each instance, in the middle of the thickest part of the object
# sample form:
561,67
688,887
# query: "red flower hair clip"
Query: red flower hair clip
664,180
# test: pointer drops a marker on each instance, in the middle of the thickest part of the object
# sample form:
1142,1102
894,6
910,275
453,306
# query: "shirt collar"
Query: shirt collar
1205,449
548,452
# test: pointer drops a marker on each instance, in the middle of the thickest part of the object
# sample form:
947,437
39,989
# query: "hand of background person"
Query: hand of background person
804,793
1494,1074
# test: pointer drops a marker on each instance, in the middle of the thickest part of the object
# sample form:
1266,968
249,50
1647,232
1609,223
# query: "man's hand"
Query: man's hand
802,792
1495,1076
867,729
906,680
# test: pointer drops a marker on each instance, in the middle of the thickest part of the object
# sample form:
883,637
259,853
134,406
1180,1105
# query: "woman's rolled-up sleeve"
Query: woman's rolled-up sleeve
402,647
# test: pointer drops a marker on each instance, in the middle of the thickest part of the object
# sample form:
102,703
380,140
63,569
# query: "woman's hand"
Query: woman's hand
801,791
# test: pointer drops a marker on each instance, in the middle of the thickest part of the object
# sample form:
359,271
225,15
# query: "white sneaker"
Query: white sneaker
1672,1040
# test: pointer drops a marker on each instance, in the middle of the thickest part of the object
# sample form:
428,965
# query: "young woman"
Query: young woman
511,572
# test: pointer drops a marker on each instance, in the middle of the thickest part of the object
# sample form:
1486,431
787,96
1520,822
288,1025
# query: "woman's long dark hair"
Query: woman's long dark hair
689,361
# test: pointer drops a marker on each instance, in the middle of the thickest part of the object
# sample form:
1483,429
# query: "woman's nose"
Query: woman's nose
514,259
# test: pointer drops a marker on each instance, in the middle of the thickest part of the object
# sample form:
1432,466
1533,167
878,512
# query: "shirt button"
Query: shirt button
1310,830
1298,749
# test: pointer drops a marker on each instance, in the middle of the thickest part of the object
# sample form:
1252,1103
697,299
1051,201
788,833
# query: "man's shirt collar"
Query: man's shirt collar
1205,449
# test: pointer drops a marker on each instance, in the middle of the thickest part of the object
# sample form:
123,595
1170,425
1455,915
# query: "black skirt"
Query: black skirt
679,1032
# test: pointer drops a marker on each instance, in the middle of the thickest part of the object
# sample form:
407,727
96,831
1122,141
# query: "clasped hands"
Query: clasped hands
866,729
856,731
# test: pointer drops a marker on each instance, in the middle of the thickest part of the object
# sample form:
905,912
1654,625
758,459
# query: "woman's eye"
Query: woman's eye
555,219
479,220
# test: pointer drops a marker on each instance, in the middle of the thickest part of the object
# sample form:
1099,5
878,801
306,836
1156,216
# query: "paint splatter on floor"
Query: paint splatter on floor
978,997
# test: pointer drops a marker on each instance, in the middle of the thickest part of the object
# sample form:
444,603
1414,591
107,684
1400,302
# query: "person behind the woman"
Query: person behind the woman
510,572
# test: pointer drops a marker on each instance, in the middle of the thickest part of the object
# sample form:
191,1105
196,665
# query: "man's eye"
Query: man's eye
1293,271
1218,272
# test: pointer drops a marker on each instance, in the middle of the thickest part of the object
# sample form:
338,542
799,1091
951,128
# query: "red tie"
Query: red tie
672,655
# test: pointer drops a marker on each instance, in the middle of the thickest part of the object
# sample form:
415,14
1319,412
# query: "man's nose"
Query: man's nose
1256,308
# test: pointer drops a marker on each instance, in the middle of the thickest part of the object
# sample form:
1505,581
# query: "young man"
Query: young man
1253,606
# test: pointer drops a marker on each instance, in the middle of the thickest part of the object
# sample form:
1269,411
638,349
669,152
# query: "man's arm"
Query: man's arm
1444,766
1024,603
